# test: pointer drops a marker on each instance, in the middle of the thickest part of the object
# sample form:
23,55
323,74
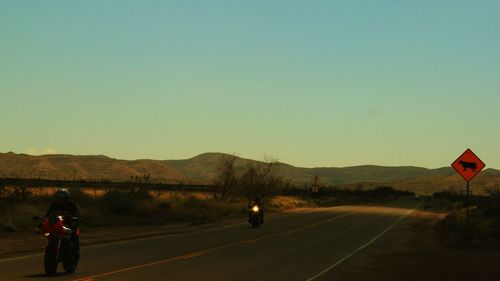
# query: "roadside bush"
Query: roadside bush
117,202
384,192
123,202
165,207
149,211
138,206
8,227
96,217
141,195
280,203
198,211
79,196
17,194
481,228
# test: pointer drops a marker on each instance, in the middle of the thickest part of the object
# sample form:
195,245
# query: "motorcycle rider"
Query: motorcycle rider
261,209
63,206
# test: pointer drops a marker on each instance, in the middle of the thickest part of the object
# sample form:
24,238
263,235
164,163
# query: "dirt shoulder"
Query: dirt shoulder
412,250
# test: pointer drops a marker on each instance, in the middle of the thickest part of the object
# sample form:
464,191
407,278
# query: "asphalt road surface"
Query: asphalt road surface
305,245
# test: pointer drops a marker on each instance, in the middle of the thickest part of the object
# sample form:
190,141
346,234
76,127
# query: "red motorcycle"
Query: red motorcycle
60,247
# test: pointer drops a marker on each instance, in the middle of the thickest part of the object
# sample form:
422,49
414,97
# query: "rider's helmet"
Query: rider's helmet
62,194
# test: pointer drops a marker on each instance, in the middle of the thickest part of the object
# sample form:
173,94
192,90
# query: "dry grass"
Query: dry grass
281,202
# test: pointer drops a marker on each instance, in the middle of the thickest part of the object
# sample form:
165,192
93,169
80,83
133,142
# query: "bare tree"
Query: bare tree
226,180
262,179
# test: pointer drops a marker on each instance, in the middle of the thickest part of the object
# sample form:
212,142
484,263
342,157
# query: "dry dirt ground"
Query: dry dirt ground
412,250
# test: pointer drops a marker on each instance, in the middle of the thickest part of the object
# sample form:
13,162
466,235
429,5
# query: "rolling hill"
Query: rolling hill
71,167
202,169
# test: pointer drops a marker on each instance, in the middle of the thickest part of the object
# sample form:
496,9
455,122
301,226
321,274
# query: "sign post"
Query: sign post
315,185
468,165
467,205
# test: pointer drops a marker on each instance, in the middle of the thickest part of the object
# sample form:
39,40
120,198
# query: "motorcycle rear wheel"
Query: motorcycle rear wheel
69,259
255,222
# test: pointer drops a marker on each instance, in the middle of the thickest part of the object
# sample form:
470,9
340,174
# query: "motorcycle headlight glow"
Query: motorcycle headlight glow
255,208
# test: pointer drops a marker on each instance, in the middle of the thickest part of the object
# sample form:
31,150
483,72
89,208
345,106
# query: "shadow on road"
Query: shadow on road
43,275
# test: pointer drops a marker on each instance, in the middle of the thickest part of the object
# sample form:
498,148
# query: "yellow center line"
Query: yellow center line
135,267
252,240
200,253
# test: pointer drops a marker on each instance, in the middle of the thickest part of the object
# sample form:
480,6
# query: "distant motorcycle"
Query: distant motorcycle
255,216
60,247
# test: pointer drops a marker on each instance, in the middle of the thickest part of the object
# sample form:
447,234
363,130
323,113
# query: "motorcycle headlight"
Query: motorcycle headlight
255,208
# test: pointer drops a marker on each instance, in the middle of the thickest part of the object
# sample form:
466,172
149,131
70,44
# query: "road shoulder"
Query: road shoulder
411,251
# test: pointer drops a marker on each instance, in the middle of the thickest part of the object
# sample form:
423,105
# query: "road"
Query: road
305,245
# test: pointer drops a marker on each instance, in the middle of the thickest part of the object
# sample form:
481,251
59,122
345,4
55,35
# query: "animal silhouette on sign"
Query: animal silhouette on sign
468,165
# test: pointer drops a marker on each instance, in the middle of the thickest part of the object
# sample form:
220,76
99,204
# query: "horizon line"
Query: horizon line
224,153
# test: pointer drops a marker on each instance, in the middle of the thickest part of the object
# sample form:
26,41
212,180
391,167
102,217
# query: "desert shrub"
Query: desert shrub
80,197
443,195
119,202
455,230
197,211
383,192
96,217
8,227
17,194
149,211
121,207
492,205
165,206
279,203
141,195
19,215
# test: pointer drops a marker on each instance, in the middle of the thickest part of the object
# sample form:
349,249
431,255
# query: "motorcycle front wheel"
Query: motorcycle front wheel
50,259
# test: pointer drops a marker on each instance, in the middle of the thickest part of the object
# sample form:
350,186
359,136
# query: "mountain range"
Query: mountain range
202,169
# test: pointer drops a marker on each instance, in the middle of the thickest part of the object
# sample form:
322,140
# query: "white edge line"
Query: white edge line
21,257
360,248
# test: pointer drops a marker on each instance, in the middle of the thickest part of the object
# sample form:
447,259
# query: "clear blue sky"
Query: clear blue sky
311,83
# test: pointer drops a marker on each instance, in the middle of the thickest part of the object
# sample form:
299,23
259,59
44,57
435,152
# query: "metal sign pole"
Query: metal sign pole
467,205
